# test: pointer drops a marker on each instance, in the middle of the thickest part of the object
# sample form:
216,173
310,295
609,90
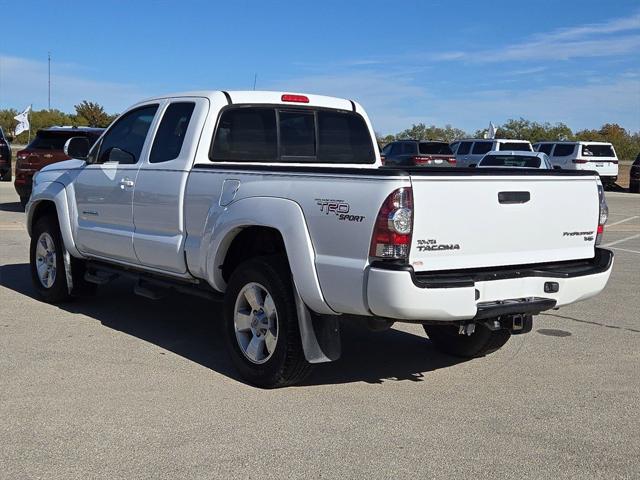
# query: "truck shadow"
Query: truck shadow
191,327
11,207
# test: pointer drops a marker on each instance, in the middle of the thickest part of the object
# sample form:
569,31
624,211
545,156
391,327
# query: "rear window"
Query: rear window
591,150
515,146
246,135
435,149
510,161
343,137
464,148
564,150
546,148
265,134
405,148
56,140
481,147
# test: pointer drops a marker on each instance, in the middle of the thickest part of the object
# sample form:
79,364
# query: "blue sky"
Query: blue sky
463,63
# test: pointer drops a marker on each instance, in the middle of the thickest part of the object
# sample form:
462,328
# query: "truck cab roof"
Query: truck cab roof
266,97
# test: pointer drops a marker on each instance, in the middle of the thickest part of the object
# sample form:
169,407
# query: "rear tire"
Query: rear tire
261,324
6,176
24,201
480,343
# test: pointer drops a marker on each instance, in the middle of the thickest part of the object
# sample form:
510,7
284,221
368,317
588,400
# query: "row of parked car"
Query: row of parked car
598,156
47,147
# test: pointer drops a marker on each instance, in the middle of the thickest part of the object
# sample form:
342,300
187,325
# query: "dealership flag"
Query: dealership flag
23,121
492,130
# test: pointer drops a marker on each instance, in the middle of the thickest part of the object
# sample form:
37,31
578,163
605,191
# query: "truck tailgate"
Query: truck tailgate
475,221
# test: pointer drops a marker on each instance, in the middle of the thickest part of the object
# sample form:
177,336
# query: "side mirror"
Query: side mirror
117,155
472,165
77,147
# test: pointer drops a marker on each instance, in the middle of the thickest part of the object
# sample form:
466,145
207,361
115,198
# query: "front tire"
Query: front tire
261,324
46,255
480,343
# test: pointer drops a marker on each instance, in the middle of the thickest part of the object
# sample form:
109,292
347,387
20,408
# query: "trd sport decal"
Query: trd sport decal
339,208
431,244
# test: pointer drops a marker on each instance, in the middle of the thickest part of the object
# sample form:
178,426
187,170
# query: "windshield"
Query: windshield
435,148
510,161
591,150
515,146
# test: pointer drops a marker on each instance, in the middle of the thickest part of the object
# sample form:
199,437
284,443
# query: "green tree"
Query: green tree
93,113
7,122
421,131
523,129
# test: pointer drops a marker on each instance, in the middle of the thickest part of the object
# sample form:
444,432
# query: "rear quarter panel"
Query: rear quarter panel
339,211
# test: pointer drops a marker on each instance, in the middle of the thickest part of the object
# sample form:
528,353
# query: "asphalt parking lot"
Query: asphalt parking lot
122,387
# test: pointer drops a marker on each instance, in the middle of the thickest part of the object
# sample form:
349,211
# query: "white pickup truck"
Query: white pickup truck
278,205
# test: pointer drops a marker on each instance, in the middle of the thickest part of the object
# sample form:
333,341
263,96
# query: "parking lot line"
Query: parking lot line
623,221
621,240
625,250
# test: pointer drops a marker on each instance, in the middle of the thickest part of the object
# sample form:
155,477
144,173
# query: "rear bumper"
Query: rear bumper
396,291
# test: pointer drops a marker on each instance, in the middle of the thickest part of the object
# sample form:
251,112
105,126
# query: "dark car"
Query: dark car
634,176
5,158
45,149
418,153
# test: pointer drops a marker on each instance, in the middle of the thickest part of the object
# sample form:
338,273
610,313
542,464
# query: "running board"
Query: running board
147,285
99,278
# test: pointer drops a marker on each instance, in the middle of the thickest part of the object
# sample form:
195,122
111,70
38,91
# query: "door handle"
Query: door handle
126,183
48,155
513,197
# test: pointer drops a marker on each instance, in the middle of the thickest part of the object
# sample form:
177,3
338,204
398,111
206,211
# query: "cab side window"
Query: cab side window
124,141
171,132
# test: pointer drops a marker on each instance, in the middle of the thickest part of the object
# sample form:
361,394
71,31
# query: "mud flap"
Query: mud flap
67,270
320,334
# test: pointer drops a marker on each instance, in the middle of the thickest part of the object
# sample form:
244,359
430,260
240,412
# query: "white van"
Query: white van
470,151
598,156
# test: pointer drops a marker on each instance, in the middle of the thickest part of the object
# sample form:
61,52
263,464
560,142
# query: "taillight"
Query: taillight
422,160
392,231
288,97
603,213
431,160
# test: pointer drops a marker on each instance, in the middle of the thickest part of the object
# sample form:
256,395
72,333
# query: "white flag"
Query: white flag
492,131
23,121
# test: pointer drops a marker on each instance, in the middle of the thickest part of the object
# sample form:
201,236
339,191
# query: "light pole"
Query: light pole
49,58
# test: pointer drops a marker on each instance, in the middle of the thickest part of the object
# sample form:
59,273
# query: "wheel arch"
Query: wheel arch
281,222
49,198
